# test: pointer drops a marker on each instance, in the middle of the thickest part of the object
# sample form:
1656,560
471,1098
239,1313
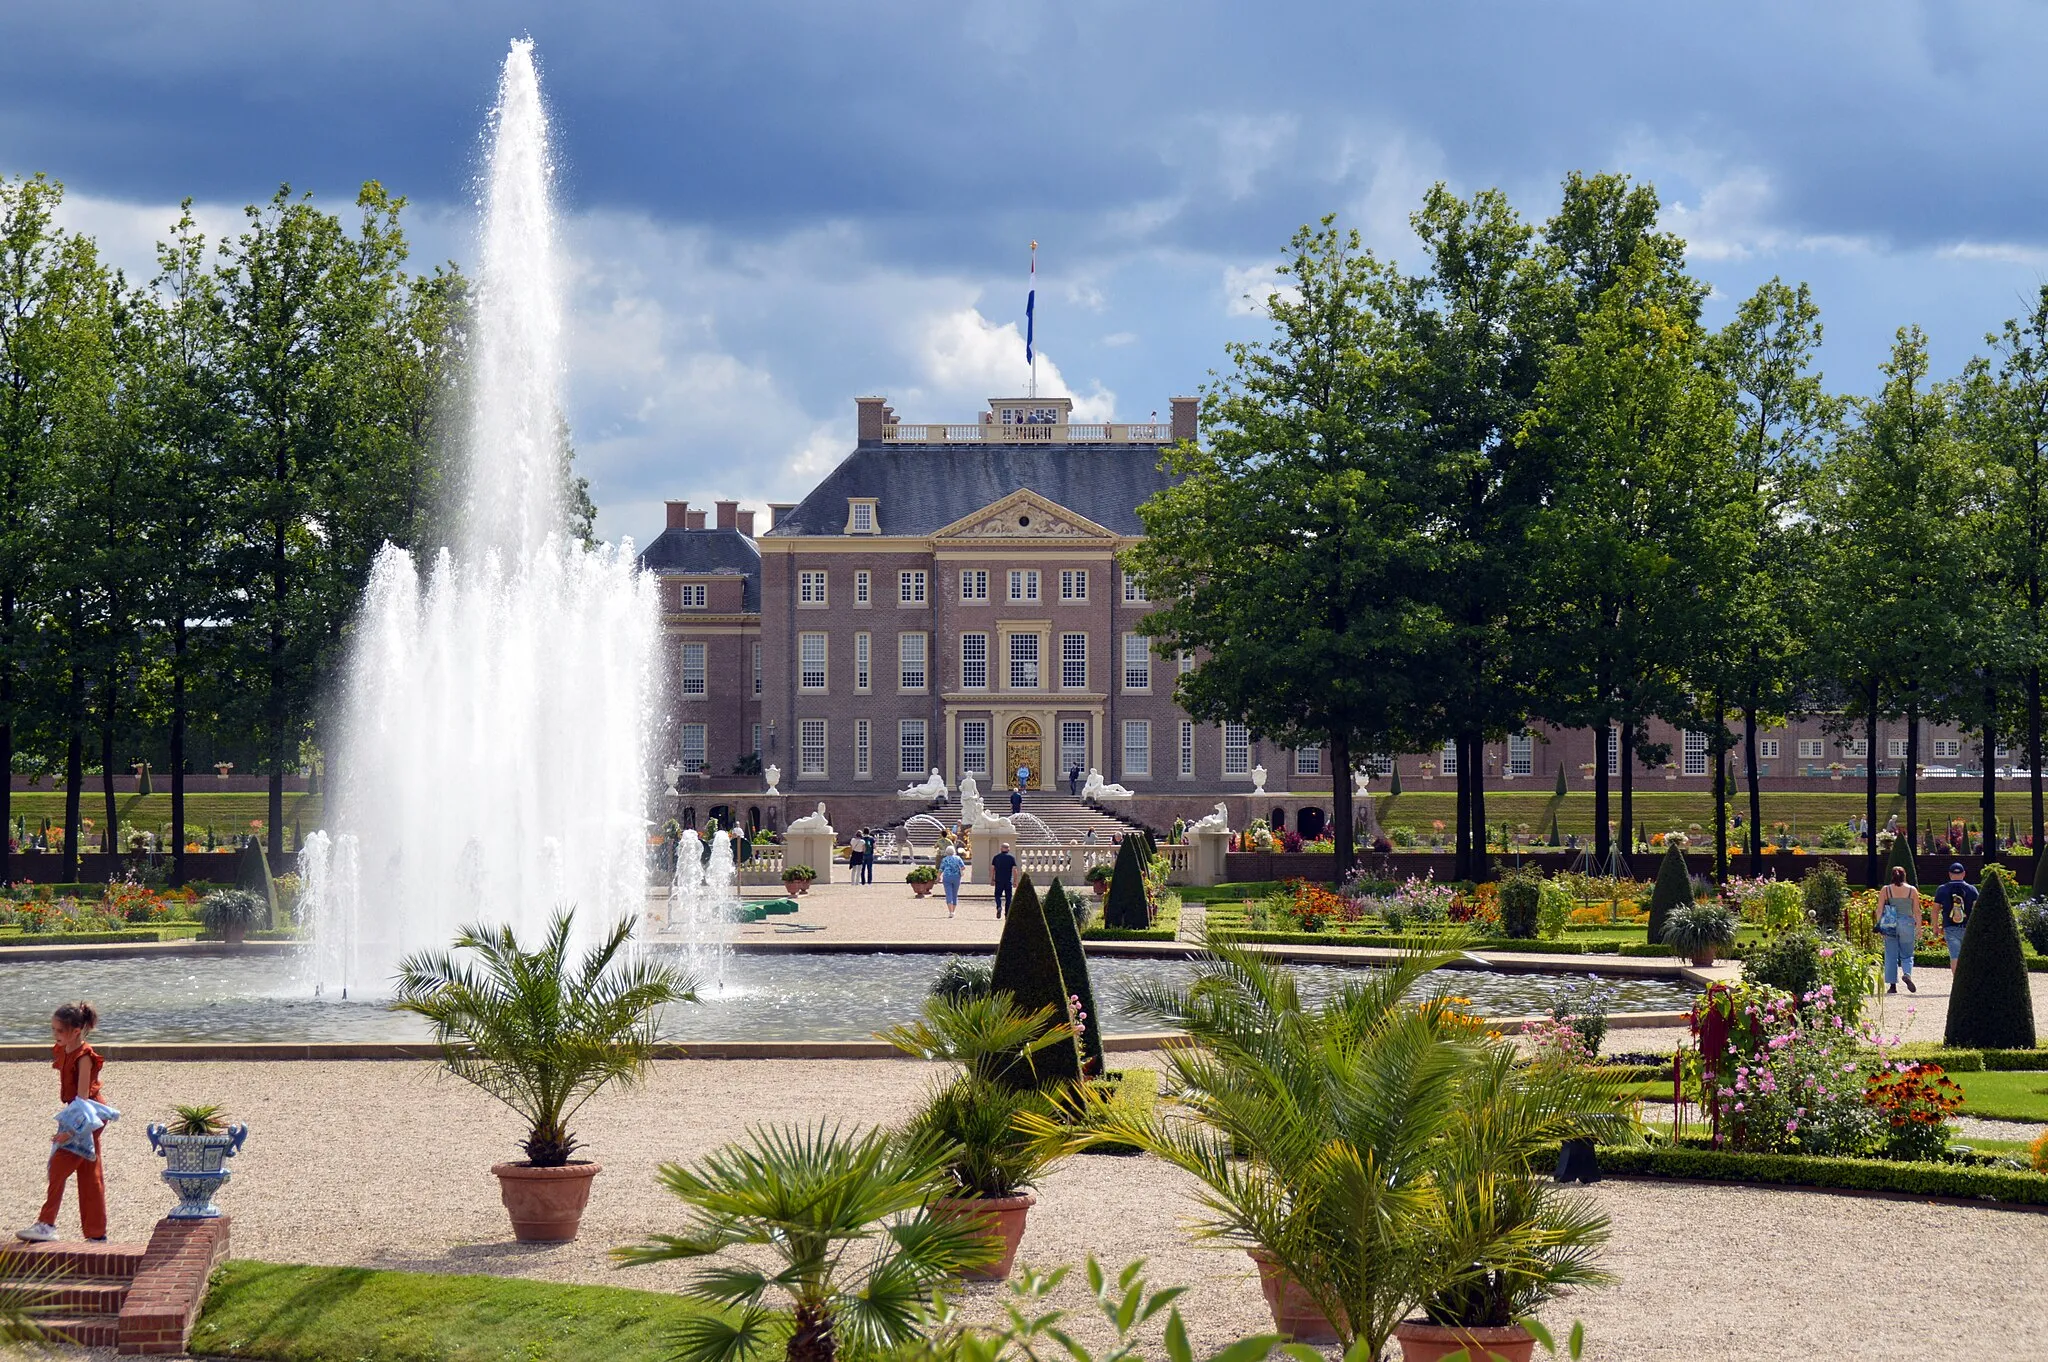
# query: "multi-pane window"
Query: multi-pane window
1308,761
2000,752
1695,749
974,746
1895,748
1074,661
863,586
693,748
1187,748
810,587
863,517
757,669
1447,760
1023,662
1137,747
1185,661
1948,747
974,584
863,660
1767,749
974,661
810,747
1379,766
1023,584
1237,749
694,595
1613,751
1857,748
910,747
810,662
757,740
1133,589
1811,748
1073,744
1521,754
1137,662
910,661
863,749
1073,584
910,587
693,669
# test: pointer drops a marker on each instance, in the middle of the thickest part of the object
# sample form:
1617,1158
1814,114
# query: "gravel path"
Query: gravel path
1917,1016
1706,1272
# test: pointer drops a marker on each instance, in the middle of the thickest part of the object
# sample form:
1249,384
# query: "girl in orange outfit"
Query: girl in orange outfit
78,1066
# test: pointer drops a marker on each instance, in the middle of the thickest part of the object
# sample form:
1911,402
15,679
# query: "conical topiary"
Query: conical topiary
1066,943
142,785
1562,790
1394,786
1553,830
1126,907
1990,1006
1674,890
1901,854
2041,874
252,872
1027,968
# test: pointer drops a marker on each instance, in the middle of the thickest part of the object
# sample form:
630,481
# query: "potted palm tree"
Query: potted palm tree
844,1220
993,1161
1701,930
543,1036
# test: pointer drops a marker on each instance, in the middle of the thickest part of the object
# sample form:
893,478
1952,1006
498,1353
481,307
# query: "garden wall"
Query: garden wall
47,867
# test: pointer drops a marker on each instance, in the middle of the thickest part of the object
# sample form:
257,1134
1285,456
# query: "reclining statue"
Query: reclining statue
934,788
1096,788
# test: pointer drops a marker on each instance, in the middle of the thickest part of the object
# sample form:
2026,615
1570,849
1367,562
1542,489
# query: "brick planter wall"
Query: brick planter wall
170,1285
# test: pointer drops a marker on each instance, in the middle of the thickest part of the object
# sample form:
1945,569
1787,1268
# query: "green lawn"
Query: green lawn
1660,810
2007,1096
340,1314
227,814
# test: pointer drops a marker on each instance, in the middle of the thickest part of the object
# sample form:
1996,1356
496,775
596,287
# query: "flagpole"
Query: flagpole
1030,309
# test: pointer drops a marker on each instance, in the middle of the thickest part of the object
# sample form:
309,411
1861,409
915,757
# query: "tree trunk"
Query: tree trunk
1990,776
1461,837
812,1339
2034,755
1481,868
1601,838
1340,804
111,839
178,753
1912,771
6,735
1720,791
74,786
1628,794
1756,800
1871,866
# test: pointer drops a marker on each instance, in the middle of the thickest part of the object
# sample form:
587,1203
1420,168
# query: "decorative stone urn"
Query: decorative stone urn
1258,780
193,1167
774,776
1004,1216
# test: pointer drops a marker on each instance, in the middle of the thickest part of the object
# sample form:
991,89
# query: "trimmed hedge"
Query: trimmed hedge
1066,942
1977,1061
1027,967
1990,1005
1673,891
78,938
2006,1185
1127,934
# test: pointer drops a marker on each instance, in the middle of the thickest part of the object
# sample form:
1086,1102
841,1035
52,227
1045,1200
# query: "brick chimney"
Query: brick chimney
678,514
778,511
870,414
1185,411
728,514
745,523
696,521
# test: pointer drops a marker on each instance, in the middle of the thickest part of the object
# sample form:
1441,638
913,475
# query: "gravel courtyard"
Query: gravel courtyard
386,1164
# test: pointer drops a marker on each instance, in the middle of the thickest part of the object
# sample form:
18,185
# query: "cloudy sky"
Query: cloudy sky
774,207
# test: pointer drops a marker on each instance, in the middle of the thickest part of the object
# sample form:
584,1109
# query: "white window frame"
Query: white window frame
757,669
863,587
1025,673
1447,760
813,588
863,750
862,517
693,596
1767,749
1073,661
1187,749
757,740
695,681
1308,761
1184,661
1237,749
1073,745
974,750
863,662
1895,749
1521,756
1137,664
1856,749
974,661
910,586
1948,748
1614,750
974,586
1812,749
692,749
1134,594
1379,765
1693,753
1024,585
1073,584
1137,748
913,660
813,737
813,660
912,735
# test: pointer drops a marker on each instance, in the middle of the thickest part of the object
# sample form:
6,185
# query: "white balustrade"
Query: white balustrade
1094,433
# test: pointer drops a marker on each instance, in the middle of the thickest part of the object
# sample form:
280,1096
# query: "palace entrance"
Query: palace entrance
1024,746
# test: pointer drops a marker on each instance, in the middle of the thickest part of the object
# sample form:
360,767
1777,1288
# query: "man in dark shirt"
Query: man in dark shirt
1956,898
1003,872
1016,800
1074,781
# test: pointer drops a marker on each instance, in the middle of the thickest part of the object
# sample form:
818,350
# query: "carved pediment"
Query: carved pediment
1024,515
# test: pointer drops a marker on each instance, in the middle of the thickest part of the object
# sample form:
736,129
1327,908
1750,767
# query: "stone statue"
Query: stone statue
1096,788
1361,785
1218,821
809,823
672,773
774,774
1258,780
932,788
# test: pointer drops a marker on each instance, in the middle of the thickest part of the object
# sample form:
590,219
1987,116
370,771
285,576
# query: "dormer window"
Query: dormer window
694,595
861,516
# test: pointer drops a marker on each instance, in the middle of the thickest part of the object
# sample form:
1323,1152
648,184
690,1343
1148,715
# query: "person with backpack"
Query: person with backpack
1898,923
1956,897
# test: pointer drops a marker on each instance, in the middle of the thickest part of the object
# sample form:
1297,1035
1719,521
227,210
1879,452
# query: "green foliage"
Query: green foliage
353,1314
2041,878
1027,971
198,1120
2033,923
1806,1170
958,980
227,908
1061,920
1826,896
1673,891
1521,896
1990,1005
1700,929
844,1219
1901,854
1394,785
1554,909
1562,790
1126,907
541,1034
1788,960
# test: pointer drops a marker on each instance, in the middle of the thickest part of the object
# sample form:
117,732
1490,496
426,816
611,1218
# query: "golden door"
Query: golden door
1024,748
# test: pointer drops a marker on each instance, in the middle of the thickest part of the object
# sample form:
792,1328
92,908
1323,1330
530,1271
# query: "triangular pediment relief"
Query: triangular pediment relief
1024,514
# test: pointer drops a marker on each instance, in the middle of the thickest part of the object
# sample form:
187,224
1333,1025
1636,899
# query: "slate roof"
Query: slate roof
919,489
719,552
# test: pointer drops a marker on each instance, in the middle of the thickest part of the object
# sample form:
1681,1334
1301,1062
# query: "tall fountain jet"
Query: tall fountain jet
493,756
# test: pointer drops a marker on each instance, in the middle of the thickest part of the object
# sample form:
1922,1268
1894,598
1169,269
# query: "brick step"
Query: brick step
73,1258
78,1295
87,1331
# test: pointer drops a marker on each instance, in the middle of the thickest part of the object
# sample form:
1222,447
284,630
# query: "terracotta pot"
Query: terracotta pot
235,933
1702,959
1004,1216
1294,1311
1102,889
546,1204
1422,1341
921,888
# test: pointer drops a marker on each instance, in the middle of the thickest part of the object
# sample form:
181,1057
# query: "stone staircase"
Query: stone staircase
140,1299
1070,819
